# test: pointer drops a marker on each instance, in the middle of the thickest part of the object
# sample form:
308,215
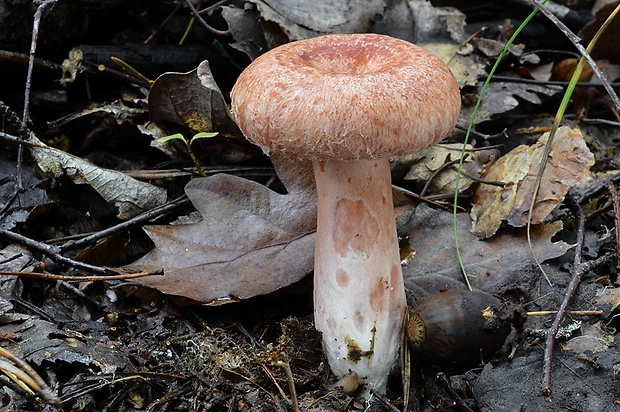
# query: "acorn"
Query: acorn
458,328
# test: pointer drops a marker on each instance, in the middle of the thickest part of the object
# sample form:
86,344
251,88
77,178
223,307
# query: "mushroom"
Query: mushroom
348,102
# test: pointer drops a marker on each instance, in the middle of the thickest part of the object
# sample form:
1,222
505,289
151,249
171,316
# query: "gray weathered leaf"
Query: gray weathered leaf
131,196
251,241
492,265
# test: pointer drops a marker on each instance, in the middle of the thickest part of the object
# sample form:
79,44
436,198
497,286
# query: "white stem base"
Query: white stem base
359,296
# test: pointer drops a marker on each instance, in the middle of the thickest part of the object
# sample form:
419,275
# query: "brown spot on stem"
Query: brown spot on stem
357,229
359,320
378,295
342,278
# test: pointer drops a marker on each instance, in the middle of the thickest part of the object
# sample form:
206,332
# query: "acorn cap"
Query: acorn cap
347,97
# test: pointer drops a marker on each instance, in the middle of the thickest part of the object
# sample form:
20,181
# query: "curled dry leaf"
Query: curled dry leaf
131,196
569,161
251,241
191,99
429,165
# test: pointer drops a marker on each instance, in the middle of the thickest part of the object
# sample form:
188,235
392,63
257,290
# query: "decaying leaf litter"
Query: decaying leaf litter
118,346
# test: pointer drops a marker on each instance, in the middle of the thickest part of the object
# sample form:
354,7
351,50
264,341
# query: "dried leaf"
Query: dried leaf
30,197
191,99
593,388
245,28
569,161
301,19
16,258
467,68
608,47
492,265
609,296
436,24
500,97
131,196
38,341
493,48
428,165
594,338
251,241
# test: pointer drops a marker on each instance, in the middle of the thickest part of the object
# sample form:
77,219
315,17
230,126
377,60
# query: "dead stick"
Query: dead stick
616,204
53,253
576,40
26,115
27,375
579,269
67,278
121,227
568,312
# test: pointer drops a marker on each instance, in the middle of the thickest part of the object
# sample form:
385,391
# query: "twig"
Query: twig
33,47
213,6
568,312
616,204
579,269
163,24
206,25
443,380
12,121
431,200
509,79
576,40
26,115
291,382
53,252
67,278
75,291
135,221
23,374
383,400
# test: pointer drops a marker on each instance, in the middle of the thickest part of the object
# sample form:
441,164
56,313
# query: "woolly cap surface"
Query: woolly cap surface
347,97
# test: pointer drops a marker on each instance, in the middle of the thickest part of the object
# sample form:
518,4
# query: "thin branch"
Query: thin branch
615,198
579,269
53,252
204,24
28,376
26,115
121,227
67,278
576,40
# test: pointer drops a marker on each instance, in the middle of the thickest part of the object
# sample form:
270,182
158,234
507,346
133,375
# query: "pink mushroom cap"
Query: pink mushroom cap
346,97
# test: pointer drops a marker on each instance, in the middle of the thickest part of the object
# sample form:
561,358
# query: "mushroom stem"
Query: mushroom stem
358,284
